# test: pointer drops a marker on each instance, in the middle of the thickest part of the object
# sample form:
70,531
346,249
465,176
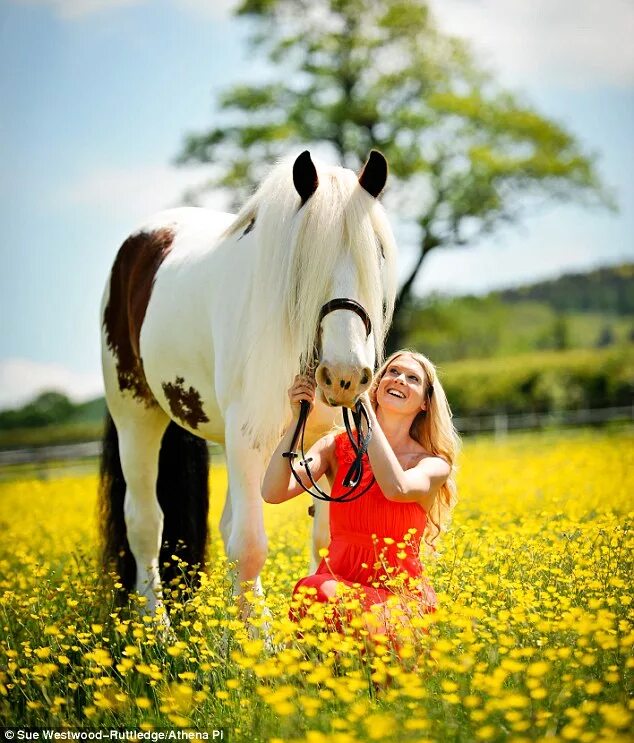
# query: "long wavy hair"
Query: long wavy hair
433,429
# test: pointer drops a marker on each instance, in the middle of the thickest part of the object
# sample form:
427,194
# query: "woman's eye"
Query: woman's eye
413,378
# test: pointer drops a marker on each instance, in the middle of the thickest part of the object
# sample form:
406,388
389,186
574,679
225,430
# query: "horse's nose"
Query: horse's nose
342,384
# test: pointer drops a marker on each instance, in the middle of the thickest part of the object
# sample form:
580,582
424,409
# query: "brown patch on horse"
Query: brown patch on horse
185,405
131,282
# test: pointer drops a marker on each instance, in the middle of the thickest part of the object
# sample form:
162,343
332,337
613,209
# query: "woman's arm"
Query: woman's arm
420,484
279,484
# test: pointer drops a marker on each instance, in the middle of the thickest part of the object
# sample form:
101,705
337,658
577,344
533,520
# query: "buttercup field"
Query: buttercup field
226,222
532,639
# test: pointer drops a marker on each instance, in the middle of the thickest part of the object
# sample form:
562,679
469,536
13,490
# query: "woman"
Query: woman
376,539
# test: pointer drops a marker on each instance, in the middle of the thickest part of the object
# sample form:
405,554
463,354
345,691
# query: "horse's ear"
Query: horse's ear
374,173
305,176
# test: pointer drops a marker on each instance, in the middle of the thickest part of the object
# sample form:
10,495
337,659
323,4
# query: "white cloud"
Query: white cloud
134,191
21,380
575,43
217,9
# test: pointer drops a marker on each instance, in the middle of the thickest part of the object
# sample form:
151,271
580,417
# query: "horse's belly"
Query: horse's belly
186,393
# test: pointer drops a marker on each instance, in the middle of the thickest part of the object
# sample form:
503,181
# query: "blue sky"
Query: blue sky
97,95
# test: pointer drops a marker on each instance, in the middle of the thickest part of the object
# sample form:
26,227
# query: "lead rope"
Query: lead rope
359,443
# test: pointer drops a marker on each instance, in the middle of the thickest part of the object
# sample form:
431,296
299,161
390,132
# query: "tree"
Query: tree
465,155
46,408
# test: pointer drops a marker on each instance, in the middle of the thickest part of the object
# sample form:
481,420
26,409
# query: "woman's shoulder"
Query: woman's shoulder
433,465
416,454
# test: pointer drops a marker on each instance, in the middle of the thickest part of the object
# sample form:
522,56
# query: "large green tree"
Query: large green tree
465,155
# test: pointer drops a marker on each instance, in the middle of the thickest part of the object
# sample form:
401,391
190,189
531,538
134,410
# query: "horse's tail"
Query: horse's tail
183,495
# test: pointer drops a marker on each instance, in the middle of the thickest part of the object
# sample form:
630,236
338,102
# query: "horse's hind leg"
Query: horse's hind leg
139,446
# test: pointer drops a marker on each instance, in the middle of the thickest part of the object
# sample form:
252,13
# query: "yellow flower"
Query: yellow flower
448,686
538,693
379,726
615,715
486,733
538,669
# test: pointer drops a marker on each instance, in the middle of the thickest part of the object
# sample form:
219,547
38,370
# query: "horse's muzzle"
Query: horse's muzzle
341,385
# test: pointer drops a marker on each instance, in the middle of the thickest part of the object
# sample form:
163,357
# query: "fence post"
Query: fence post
501,426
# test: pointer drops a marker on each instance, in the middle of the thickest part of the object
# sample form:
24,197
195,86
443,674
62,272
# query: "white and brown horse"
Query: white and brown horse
206,319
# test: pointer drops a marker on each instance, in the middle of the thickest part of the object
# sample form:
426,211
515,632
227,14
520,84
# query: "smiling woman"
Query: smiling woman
375,542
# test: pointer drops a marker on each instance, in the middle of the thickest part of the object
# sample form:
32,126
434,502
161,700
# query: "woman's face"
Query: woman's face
402,387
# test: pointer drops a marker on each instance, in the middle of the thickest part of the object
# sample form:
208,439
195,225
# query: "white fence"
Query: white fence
502,423
499,423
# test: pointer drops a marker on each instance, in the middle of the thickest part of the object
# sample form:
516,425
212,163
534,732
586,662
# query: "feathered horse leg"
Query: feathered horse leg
246,544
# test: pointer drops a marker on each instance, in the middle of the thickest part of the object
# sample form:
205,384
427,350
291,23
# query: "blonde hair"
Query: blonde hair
433,429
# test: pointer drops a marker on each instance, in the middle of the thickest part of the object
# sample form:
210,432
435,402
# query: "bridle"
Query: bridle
359,442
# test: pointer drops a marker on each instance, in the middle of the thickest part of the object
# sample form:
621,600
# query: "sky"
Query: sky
97,96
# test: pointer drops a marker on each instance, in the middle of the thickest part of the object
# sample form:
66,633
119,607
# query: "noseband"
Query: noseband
341,303
359,442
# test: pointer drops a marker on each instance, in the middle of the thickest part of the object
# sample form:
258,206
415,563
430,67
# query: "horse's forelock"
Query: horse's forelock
296,251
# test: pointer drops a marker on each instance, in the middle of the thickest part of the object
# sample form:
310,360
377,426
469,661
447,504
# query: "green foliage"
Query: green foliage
541,381
50,435
605,290
485,327
51,419
49,407
464,153
546,315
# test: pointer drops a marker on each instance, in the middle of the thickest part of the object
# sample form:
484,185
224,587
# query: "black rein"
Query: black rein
358,440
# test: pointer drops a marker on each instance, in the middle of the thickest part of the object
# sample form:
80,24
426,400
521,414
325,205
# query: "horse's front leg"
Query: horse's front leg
246,544
321,527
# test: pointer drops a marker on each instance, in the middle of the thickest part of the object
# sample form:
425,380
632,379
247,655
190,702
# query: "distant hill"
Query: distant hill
593,310
52,408
609,289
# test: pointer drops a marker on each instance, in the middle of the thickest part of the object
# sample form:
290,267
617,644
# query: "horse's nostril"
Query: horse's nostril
364,379
342,384
347,386
328,381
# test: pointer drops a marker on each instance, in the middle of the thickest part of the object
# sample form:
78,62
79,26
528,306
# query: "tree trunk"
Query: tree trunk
400,323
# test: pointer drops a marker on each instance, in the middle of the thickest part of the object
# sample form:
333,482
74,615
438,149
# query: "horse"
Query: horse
206,318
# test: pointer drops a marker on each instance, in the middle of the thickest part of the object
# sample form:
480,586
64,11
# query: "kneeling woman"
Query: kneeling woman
376,539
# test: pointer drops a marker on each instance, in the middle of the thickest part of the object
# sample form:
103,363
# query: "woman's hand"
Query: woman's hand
303,388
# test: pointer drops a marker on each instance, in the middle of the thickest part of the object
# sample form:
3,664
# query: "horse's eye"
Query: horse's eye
248,229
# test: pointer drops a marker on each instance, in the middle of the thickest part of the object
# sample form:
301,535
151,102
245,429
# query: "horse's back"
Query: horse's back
153,328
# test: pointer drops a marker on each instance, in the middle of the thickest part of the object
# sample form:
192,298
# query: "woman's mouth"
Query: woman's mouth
396,393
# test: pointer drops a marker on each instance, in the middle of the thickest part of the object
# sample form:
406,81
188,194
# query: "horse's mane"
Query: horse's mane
294,259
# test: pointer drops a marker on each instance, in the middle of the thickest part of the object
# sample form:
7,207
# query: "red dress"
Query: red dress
359,559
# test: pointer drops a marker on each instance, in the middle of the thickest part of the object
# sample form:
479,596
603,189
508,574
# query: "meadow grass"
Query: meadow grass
531,641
